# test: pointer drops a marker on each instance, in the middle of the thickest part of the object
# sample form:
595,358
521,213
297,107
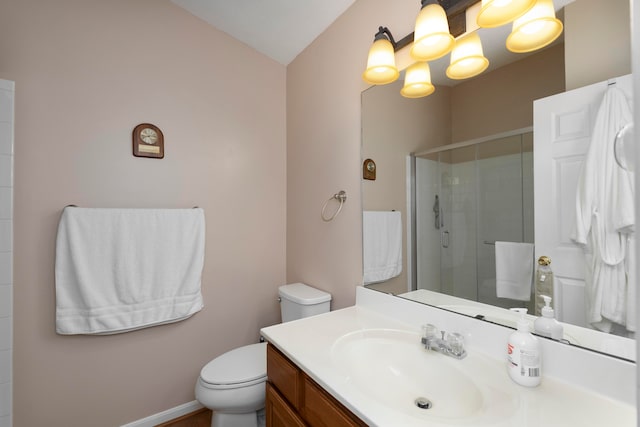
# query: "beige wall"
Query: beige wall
323,146
392,128
87,72
598,41
502,100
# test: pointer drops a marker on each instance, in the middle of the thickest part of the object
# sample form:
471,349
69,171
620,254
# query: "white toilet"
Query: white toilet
233,384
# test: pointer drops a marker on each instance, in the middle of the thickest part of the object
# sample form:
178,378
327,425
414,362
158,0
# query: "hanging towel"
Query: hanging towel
382,245
514,270
123,269
605,218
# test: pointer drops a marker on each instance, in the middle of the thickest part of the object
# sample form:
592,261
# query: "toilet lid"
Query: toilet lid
241,365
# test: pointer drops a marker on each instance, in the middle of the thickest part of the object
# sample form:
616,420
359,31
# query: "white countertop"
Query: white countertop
309,343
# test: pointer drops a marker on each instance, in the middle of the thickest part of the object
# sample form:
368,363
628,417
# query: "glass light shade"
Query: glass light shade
494,13
467,58
431,38
535,29
417,81
381,64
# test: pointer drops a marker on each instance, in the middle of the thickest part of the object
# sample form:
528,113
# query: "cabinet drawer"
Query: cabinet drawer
285,376
279,413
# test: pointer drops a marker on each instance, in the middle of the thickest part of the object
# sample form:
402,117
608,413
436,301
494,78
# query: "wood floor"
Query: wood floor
199,418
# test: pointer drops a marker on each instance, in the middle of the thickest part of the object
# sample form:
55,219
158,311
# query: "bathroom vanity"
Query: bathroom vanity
294,399
365,365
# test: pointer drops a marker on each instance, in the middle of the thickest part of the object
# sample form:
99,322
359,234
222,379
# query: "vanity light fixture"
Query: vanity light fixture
467,58
417,81
432,38
381,63
495,13
535,29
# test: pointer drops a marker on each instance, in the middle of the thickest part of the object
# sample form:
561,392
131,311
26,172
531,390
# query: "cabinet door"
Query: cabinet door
321,410
285,376
278,412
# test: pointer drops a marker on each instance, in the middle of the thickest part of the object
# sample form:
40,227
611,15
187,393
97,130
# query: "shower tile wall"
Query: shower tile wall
500,210
462,251
6,248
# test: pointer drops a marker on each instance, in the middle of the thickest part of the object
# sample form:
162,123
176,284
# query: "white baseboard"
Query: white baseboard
164,416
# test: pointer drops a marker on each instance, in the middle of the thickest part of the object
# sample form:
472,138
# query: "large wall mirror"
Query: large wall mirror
457,169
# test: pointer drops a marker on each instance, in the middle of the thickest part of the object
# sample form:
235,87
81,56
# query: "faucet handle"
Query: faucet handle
456,343
429,331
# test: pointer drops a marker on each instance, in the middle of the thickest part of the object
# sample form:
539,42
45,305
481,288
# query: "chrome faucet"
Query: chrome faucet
451,344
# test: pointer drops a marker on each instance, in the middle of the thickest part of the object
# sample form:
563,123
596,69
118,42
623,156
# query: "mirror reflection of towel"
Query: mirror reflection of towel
382,244
514,270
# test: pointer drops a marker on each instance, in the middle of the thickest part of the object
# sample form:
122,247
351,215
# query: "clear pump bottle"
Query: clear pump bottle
547,325
544,283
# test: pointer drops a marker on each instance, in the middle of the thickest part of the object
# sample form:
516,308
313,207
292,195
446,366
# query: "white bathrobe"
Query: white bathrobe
605,220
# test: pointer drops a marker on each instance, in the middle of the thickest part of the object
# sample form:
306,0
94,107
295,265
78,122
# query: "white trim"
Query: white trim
168,415
409,185
475,141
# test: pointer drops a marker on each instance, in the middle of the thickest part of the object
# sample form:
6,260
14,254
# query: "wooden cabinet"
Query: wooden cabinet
279,413
294,399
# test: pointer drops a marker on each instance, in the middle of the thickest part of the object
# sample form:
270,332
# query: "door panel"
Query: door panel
562,133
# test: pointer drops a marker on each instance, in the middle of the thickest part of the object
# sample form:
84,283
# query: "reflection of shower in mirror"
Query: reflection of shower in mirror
481,194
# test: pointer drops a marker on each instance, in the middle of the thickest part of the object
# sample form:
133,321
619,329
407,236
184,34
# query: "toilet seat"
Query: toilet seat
241,367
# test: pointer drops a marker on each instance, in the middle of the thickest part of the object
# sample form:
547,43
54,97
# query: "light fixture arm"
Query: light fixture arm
385,33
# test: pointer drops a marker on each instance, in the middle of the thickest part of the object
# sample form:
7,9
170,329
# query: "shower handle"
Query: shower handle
444,239
438,213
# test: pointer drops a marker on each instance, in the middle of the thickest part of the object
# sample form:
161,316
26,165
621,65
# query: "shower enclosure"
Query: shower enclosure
465,197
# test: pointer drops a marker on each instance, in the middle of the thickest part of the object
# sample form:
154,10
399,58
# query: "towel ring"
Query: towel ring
342,197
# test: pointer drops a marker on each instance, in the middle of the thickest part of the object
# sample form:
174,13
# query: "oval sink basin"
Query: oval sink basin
394,368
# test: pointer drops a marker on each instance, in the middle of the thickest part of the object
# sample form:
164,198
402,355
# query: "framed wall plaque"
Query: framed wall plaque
369,169
148,141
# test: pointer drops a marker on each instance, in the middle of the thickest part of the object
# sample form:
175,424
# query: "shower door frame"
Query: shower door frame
412,194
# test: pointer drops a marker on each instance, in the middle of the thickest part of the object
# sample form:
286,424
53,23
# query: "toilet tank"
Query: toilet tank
298,300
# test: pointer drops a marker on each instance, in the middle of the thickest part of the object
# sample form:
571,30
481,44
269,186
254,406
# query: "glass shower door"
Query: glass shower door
458,233
505,194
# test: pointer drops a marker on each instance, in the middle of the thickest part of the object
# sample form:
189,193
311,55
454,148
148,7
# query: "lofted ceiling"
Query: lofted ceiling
280,29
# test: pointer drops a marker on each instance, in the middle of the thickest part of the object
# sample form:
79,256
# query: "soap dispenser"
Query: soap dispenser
523,354
543,283
547,325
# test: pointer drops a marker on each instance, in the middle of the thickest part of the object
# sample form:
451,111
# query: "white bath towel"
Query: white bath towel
514,270
382,245
123,269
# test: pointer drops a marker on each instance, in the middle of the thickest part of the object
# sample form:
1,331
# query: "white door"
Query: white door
562,126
